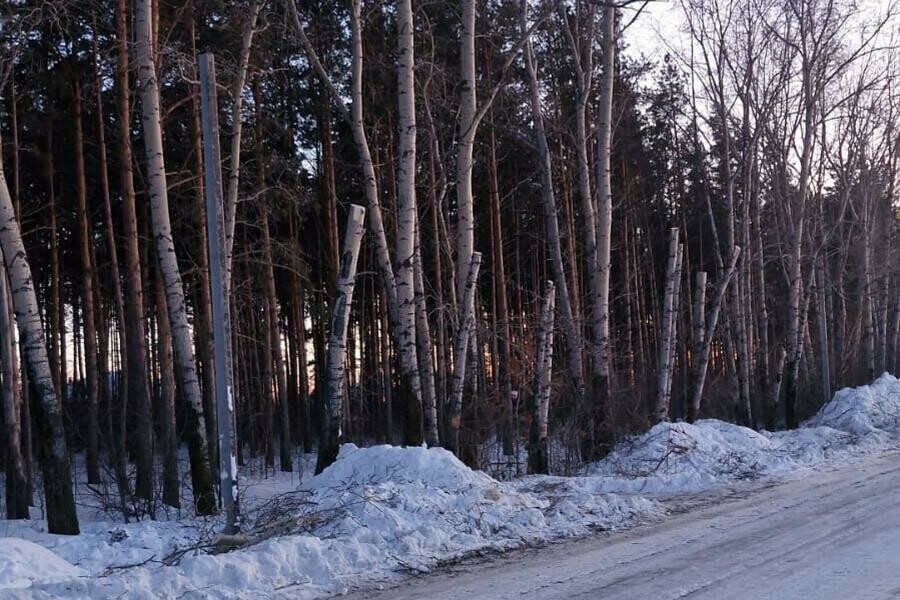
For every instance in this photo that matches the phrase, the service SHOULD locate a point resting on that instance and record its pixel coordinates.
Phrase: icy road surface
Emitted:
(832, 533)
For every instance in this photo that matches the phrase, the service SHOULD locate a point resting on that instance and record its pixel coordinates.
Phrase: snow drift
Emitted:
(374, 512)
(679, 457)
(23, 562)
(863, 410)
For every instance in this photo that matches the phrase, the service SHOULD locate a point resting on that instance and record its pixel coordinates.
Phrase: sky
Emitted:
(655, 28)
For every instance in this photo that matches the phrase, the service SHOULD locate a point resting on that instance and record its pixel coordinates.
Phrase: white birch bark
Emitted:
(182, 346)
(460, 354)
(545, 359)
(698, 315)
(673, 325)
(59, 499)
(17, 499)
(337, 342)
(406, 227)
(604, 194)
(465, 218)
(354, 117)
(661, 412)
(544, 372)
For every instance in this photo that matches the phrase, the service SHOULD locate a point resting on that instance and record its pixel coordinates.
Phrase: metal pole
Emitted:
(215, 229)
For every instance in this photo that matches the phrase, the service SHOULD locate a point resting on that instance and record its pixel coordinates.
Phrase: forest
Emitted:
(492, 226)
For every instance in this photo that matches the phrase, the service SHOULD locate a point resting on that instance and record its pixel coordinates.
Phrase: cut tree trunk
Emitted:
(664, 372)
(698, 377)
(332, 434)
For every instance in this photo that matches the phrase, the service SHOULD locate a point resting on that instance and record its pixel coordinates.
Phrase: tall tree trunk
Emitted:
(331, 436)
(426, 365)
(203, 333)
(465, 213)
(501, 308)
(87, 289)
(407, 237)
(234, 161)
(116, 417)
(165, 405)
(329, 194)
(669, 317)
(56, 309)
(17, 496)
(139, 390)
(822, 318)
(284, 425)
(186, 367)
(601, 383)
(58, 496)
(460, 354)
(539, 449)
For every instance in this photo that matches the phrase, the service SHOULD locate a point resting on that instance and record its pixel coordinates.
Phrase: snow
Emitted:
(684, 457)
(23, 562)
(869, 409)
(380, 511)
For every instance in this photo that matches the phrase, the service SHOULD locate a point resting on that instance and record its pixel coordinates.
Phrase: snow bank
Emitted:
(864, 410)
(23, 562)
(382, 510)
(681, 457)
(374, 512)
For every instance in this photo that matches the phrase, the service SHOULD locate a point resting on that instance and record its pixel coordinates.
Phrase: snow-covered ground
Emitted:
(383, 511)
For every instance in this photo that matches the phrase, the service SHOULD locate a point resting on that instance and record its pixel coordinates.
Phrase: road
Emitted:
(829, 535)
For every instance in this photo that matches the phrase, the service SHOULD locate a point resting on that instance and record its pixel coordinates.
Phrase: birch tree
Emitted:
(185, 364)
(17, 496)
(54, 456)
(332, 434)
(460, 355)
(539, 450)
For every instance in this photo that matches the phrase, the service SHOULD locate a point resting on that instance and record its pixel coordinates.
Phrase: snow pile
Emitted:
(23, 562)
(684, 456)
(680, 457)
(864, 410)
(374, 512)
